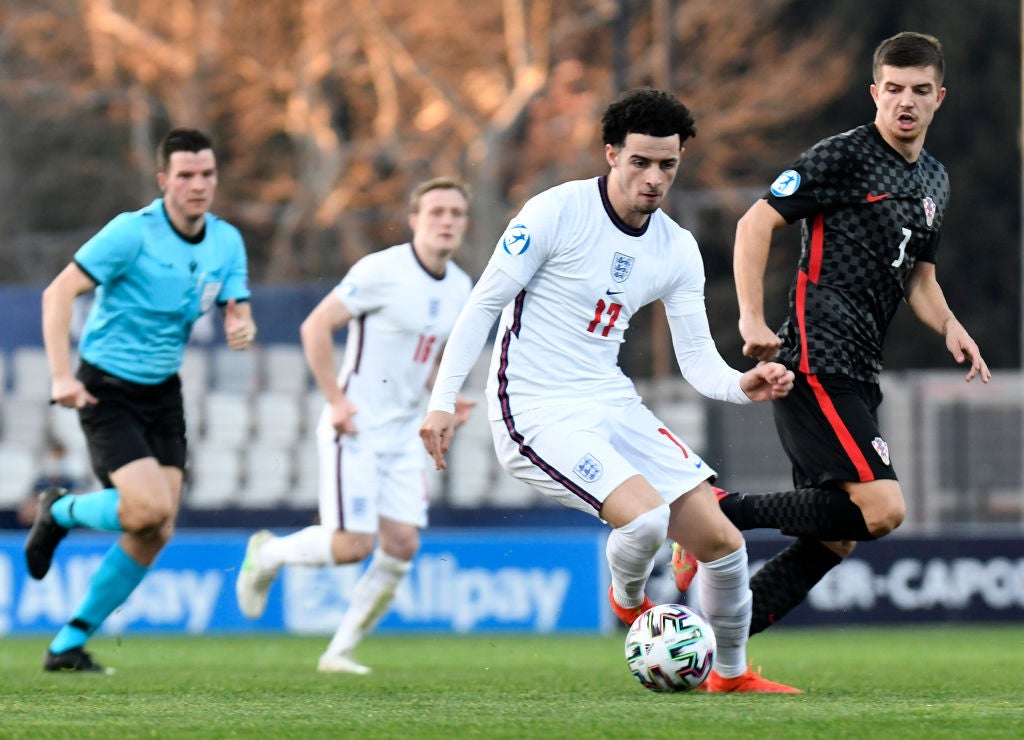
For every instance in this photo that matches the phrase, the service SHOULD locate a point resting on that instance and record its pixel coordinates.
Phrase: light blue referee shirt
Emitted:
(152, 285)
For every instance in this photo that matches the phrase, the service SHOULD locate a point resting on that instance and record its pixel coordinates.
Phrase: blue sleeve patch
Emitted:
(786, 184)
(516, 239)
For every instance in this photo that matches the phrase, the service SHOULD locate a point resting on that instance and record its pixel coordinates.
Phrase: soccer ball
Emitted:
(670, 648)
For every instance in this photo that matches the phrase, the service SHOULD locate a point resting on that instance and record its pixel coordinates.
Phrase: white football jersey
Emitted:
(402, 316)
(585, 273)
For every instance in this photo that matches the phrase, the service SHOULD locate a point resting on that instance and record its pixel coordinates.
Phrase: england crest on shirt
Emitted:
(929, 210)
(589, 468)
(622, 265)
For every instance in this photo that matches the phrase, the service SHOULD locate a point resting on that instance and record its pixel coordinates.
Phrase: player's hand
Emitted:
(342, 411)
(963, 348)
(436, 431)
(70, 393)
(767, 381)
(759, 342)
(463, 409)
(239, 330)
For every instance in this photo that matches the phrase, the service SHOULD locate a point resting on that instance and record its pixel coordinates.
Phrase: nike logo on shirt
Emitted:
(613, 292)
(872, 198)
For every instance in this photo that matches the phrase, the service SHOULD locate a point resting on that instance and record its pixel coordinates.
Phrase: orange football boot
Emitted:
(628, 614)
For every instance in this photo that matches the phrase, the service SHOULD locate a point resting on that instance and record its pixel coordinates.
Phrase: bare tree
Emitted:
(327, 110)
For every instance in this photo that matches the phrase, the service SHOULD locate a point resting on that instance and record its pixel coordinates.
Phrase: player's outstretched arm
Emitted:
(58, 299)
(928, 302)
(750, 258)
(965, 349)
(767, 381)
(239, 327)
(436, 431)
(463, 409)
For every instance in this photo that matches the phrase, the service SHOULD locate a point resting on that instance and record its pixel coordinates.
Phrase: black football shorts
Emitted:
(828, 426)
(131, 421)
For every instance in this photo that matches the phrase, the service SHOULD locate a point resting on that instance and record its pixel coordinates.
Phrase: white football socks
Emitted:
(369, 601)
(309, 546)
(630, 551)
(726, 601)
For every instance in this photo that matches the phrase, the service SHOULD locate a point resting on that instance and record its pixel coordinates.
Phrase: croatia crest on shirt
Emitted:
(881, 448)
(622, 265)
(929, 210)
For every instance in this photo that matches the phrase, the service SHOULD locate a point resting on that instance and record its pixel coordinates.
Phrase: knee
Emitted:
(153, 516)
(884, 518)
(650, 529)
(403, 545)
(350, 547)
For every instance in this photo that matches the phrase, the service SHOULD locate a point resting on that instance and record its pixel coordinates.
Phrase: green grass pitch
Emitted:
(952, 681)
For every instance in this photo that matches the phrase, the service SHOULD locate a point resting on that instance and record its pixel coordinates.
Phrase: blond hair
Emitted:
(437, 183)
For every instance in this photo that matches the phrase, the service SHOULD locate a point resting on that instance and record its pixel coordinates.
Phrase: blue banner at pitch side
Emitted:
(482, 580)
(503, 580)
(941, 578)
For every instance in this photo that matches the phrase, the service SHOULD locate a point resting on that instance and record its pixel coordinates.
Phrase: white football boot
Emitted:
(341, 664)
(254, 580)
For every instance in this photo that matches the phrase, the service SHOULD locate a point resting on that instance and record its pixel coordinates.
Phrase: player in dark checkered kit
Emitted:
(871, 203)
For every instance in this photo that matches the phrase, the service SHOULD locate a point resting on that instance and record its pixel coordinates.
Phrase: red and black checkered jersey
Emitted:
(868, 217)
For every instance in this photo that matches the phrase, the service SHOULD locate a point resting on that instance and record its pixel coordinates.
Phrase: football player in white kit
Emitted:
(400, 305)
(566, 278)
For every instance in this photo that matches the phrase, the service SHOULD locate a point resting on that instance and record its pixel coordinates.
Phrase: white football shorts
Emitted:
(362, 479)
(578, 454)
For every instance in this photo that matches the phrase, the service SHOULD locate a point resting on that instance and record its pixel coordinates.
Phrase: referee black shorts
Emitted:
(828, 426)
(131, 421)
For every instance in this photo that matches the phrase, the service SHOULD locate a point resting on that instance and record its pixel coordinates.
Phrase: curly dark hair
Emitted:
(646, 111)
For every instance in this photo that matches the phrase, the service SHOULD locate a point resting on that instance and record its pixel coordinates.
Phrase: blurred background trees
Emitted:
(325, 112)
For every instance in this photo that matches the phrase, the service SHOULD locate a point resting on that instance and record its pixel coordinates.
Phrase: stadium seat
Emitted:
(285, 368)
(23, 421)
(268, 476)
(30, 373)
(227, 418)
(63, 426)
(510, 493)
(471, 474)
(305, 493)
(313, 407)
(237, 372)
(215, 476)
(278, 418)
(195, 418)
(195, 371)
(17, 473)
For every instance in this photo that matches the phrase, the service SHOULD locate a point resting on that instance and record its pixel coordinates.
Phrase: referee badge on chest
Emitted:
(929, 210)
(622, 265)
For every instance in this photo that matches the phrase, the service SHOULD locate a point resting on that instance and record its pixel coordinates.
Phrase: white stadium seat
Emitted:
(24, 421)
(235, 371)
(227, 418)
(30, 373)
(269, 476)
(278, 418)
(215, 477)
(285, 367)
(195, 371)
(17, 473)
